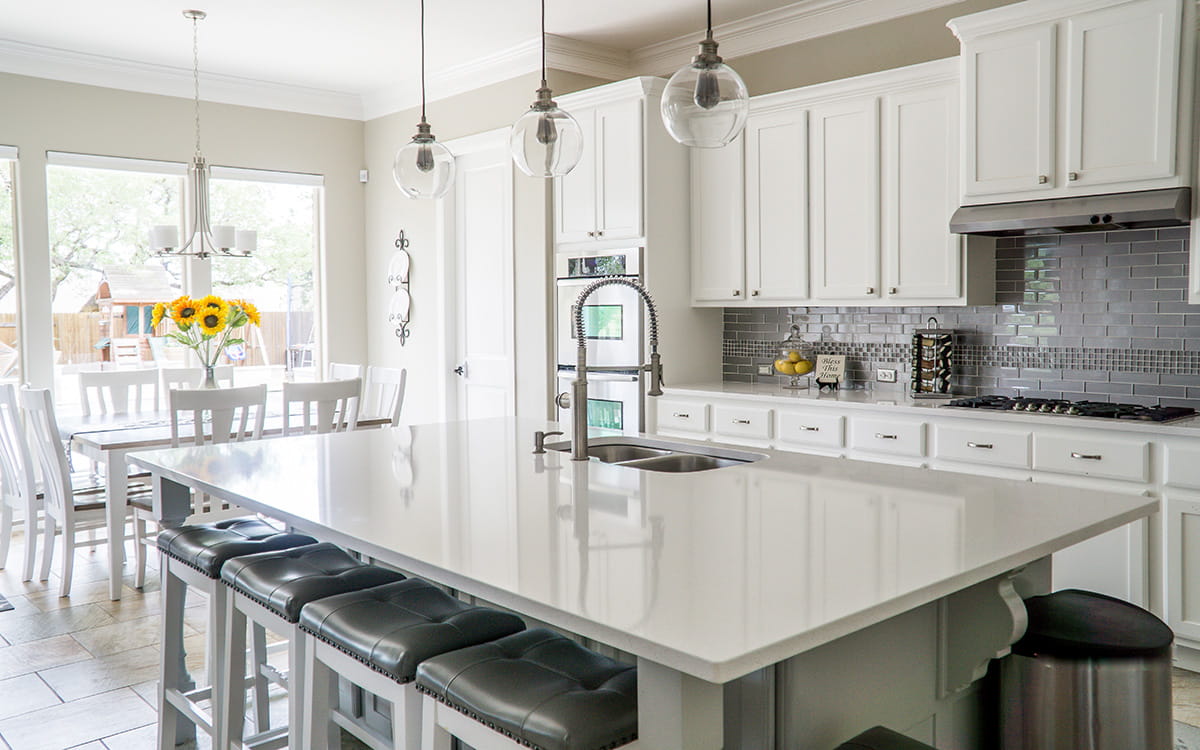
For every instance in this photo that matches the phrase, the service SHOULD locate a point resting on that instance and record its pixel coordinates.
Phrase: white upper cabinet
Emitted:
(1009, 115)
(921, 258)
(718, 195)
(601, 198)
(845, 200)
(777, 206)
(1075, 97)
(1122, 79)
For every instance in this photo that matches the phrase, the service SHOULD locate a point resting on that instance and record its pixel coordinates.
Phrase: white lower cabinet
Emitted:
(811, 429)
(895, 437)
(1182, 510)
(982, 444)
(681, 416)
(1083, 455)
(742, 422)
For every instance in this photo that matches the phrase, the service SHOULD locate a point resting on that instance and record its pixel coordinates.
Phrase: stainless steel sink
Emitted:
(683, 462)
(616, 453)
(651, 454)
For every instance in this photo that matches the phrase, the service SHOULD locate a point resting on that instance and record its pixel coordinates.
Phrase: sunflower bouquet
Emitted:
(205, 325)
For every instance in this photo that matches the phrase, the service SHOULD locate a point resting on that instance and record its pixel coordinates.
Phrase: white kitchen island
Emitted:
(802, 598)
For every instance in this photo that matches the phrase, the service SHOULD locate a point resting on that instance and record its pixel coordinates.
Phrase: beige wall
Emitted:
(893, 44)
(41, 115)
(388, 211)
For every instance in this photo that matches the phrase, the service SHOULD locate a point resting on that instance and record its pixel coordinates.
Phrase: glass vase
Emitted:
(210, 377)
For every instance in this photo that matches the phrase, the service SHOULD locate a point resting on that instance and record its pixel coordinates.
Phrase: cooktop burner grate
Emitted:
(1100, 409)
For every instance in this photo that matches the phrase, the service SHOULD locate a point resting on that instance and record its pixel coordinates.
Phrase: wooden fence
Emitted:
(75, 336)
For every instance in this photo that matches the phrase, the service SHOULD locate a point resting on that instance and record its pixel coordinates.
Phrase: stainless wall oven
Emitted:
(615, 329)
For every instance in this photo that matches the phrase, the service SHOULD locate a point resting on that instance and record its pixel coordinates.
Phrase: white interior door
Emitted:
(483, 367)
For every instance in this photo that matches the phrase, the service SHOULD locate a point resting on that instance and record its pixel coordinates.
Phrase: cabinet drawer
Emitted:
(901, 438)
(742, 421)
(985, 445)
(1182, 466)
(806, 428)
(688, 416)
(1093, 457)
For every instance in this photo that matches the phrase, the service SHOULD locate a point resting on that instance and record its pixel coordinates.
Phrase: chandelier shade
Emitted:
(706, 103)
(204, 239)
(423, 168)
(545, 141)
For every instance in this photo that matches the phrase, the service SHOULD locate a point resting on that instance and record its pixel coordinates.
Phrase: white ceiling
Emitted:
(357, 49)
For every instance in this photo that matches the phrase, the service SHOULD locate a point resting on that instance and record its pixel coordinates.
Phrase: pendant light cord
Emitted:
(422, 60)
(543, 43)
(196, 76)
(710, 19)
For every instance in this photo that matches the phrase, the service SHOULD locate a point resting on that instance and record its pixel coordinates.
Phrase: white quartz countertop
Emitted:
(889, 397)
(713, 573)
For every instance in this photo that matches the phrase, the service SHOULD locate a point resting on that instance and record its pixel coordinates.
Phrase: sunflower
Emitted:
(183, 312)
(156, 315)
(251, 311)
(212, 319)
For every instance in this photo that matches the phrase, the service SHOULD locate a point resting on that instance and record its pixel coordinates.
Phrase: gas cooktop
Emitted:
(1101, 409)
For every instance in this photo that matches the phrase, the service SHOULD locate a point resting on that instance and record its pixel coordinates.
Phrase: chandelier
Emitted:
(204, 240)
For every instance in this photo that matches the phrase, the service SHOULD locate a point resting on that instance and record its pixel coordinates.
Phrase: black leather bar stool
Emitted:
(192, 556)
(534, 689)
(375, 639)
(270, 589)
(882, 738)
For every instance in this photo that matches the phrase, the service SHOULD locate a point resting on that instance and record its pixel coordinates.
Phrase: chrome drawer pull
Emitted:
(741, 421)
(986, 446)
(1087, 456)
(681, 415)
(881, 436)
(810, 429)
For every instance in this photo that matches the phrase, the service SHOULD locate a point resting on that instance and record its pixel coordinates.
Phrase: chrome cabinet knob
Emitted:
(754, 293)
(737, 292)
(870, 290)
(599, 232)
(1072, 176)
(892, 290)
(1043, 179)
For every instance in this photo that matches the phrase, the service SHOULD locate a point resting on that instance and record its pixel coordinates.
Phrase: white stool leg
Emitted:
(262, 698)
(320, 688)
(297, 687)
(433, 735)
(170, 671)
(232, 711)
(406, 718)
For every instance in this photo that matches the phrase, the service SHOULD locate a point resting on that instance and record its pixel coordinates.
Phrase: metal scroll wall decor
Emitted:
(400, 307)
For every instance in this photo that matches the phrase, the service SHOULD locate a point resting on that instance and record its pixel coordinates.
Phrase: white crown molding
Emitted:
(111, 72)
(807, 19)
(562, 53)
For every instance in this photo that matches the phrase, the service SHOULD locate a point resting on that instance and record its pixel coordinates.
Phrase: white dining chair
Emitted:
(383, 392)
(193, 377)
(326, 406)
(118, 391)
(18, 485)
(218, 415)
(66, 509)
(344, 371)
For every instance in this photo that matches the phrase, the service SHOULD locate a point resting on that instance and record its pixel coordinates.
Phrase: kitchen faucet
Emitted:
(579, 389)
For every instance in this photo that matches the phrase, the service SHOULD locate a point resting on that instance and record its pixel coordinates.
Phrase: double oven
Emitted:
(615, 330)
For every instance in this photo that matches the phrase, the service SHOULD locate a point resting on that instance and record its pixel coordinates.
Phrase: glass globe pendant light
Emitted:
(545, 141)
(423, 168)
(705, 104)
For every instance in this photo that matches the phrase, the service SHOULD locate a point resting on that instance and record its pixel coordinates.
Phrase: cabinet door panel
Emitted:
(718, 223)
(1183, 563)
(576, 193)
(619, 170)
(1122, 78)
(777, 198)
(1008, 82)
(845, 200)
(922, 258)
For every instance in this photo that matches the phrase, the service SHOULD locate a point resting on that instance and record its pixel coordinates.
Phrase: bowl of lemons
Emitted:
(795, 359)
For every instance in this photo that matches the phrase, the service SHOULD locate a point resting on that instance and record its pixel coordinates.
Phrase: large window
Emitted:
(279, 277)
(10, 361)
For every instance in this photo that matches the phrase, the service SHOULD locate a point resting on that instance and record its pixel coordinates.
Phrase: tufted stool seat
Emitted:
(375, 639)
(207, 547)
(191, 558)
(534, 689)
(270, 589)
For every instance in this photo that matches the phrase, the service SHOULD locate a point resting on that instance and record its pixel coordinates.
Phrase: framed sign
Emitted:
(830, 370)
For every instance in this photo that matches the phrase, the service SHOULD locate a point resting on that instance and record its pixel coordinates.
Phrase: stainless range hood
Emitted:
(1092, 213)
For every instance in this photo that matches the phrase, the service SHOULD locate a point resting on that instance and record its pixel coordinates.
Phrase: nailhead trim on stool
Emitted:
(207, 547)
(539, 689)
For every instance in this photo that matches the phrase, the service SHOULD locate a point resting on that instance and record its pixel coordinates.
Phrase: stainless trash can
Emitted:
(1091, 673)
(882, 738)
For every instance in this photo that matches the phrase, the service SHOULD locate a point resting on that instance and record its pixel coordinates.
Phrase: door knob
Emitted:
(563, 400)
(461, 370)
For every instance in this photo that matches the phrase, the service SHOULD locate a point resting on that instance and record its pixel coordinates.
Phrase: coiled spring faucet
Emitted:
(579, 389)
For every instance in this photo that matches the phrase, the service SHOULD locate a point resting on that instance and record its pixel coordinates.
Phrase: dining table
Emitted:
(107, 438)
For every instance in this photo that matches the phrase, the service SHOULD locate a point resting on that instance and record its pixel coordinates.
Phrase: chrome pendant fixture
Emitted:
(705, 104)
(545, 141)
(424, 168)
(204, 240)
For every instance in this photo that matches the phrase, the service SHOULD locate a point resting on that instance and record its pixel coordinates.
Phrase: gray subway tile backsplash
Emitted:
(1098, 316)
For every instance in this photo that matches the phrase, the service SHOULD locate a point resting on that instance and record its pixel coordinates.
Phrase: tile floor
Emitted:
(80, 672)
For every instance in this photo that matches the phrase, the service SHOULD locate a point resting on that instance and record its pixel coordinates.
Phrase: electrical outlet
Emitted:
(885, 376)
(766, 370)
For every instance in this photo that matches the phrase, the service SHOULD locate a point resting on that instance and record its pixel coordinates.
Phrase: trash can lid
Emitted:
(1085, 625)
